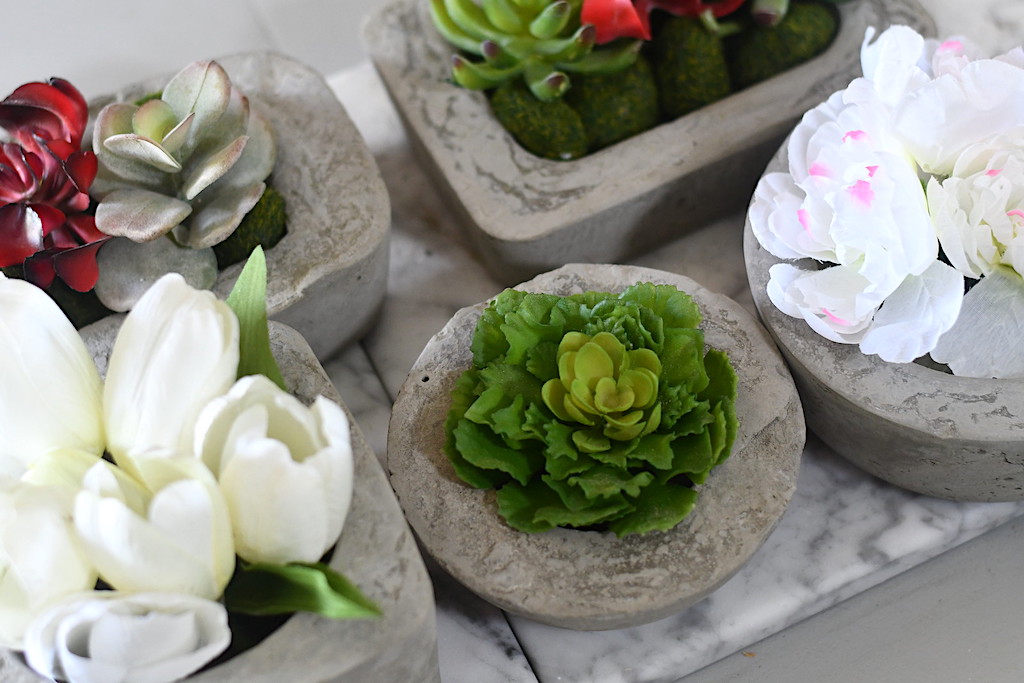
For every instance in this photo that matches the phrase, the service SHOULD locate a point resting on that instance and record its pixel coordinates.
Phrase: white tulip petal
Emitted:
(40, 559)
(334, 425)
(278, 507)
(106, 636)
(985, 341)
(176, 351)
(49, 397)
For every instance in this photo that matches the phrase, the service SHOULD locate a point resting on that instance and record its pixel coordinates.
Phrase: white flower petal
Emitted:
(50, 394)
(177, 350)
(106, 636)
(985, 341)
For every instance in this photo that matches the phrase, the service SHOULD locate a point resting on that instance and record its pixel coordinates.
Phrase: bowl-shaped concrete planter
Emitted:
(526, 214)
(328, 275)
(914, 426)
(376, 551)
(587, 579)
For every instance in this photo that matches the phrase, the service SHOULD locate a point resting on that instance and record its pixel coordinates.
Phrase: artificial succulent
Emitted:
(540, 41)
(598, 411)
(191, 162)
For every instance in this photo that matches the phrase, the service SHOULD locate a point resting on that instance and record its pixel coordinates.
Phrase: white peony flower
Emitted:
(110, 637)
(285, 469)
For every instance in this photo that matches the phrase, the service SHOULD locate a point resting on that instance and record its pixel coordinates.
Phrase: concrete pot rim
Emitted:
(296, 263)
(905, 383)
(634, 580)
(553, 194)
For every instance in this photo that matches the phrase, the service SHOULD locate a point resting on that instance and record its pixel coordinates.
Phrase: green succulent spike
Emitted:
(539, 40)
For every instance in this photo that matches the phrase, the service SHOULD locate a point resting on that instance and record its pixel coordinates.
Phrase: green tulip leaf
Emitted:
(264, 589)
(248, 299)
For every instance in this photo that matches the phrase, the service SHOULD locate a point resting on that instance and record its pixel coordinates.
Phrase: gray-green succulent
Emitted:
(191, 163)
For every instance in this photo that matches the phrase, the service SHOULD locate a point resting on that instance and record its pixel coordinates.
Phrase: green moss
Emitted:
(548, 129)
(613, 107)
(761, 52)
(689, 66)
(264, 224)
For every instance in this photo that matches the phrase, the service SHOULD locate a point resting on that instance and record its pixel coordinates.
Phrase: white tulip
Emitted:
(50, 394)
(180, 543)
(177, 349)
(285, 469)
(41, 560)
(109, 637)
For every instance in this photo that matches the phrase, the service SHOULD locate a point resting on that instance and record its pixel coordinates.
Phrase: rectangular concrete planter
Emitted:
(376, 551)
(526, 214)
(327, 277)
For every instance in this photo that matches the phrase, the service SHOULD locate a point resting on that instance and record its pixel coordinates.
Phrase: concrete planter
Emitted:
(586, 579)
(914, 426)
(525, 214)
(376, 551)
(327, 277)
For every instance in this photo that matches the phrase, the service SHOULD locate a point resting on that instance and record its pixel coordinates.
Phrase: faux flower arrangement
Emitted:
(596, 410)
(174, 174)
(573, 76)
(903, 208)
(139, 511)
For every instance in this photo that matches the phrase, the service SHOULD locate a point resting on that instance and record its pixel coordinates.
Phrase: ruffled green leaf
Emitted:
(263, 589)
(661, 507)
(482, 448)
(676, 309)
(605, 481)
(518, 505)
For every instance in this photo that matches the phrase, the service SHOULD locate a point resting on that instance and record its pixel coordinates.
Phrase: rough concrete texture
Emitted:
(327, 277)
(586, 579)
(914, 426)
(525, 214)
(376, 551)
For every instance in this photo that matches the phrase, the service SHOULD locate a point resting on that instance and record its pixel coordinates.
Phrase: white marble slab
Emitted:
(843, 533)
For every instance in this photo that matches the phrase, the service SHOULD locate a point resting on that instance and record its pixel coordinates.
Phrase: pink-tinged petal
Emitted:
(819, 169)
(804, 218)
(21, 234)
(872, 170)
(862, 192)
(855, 135)
(1016, 213)
(77, 267)
(835, 319)
(993, 172)
(614, 19)
(951, 46)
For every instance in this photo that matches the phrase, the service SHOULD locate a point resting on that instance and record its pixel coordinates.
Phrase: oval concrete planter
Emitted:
(376, 551)
(587, 579)
(525, 214)
(914, 426)
(327, 277)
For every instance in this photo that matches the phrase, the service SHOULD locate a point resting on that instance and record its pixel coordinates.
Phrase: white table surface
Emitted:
(861, 580)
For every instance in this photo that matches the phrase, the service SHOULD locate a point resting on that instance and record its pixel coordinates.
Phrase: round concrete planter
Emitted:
(911, 425)
(587, 579)
(376, 551)
(525, 215)
(327, 277)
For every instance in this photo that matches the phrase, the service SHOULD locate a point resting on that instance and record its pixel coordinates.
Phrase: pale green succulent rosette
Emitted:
(192, 161)
(596, 411)
(541, 41)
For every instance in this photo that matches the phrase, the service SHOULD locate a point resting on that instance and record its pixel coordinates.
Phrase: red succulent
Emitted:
(44, 185)
(631, 18)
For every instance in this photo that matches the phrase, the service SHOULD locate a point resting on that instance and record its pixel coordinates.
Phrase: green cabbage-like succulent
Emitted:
(538, 40)
(594, 410)
(192, 161)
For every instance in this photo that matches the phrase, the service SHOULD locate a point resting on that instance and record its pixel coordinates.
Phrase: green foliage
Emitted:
(592, 411)
(264, 589)
(552, 130)
(614, 107)
(248, 299)
(263, 225)
(761, 52)
(689, 66)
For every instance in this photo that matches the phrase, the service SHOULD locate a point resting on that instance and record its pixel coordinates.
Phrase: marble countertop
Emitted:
(844, 532)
